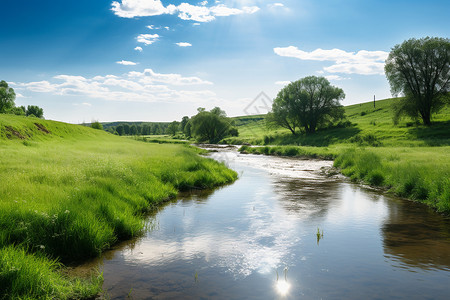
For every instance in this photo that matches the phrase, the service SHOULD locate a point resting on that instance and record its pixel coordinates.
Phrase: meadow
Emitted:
(408, 159)
(70, 192)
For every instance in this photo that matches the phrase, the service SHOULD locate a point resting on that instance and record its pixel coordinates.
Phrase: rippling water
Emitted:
(257, 239)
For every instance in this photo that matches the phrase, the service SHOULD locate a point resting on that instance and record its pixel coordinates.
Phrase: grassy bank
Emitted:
(70, 192)
(408, 159)
(418, 173)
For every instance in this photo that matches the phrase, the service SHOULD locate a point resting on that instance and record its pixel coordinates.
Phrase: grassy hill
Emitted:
(370, 126)
(69, 192)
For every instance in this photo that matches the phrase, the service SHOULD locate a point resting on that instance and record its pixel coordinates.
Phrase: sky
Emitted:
(153, 60)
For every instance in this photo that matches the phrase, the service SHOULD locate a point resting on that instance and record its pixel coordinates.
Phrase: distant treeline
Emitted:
(136, 128)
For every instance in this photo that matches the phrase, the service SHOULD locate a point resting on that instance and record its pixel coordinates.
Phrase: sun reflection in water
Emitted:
(282, 287)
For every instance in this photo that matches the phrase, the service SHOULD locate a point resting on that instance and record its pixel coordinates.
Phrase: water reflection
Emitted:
(415, 236)
(238, 242)
(282, 287)
(307, 198)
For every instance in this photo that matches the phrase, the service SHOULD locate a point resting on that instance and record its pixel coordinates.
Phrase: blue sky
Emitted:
(152, 60)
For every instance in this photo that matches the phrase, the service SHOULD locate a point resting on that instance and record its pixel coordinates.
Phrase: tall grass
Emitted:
(32, 276)
(421, 174)
(71, 193)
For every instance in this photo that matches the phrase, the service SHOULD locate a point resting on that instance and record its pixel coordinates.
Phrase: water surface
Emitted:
(257, 239)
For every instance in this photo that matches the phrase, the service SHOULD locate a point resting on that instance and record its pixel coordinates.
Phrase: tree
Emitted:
(145, 129)
(420, 70)
(173, 128)
(120, 130)
(7, 97)
(210, 126)
(187, 129)
(133, 130)
(309, 103)
(183, 123)
(126, 129)
(97, 125)
(34, 110)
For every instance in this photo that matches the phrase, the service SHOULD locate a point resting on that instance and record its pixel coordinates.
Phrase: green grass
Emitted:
(370, 127)
(408, 159)
(417, 173)
(69, 192)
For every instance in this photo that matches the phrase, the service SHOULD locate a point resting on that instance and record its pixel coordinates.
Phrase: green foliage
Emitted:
(210, 126)
(420, 174)
(34, 110)
(309, 103)
(420, 70)
(97, 125)
(33, 276)
(18, 111)
(375, 123)
(183, 123)
(79, 191)
(7, 97)
(293, 151)
(173, 128)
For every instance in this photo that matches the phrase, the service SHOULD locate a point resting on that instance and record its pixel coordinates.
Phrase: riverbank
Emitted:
(417, 173)
(70, 192)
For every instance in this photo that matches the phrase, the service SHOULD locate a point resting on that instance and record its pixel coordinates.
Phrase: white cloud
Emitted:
(196, 24)
(362, 62)
(184, 44)
(185, 11)
(150, 77)
(196, 13)
(40, 86)
(86, 104)
(147, 86)
(147, 39)
(126, 62)
(138, 8)
(335, 77)
(138, 49)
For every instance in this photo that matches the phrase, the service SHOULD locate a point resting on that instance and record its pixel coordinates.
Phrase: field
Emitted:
(408, 159)
(70, 192)
(370, 126)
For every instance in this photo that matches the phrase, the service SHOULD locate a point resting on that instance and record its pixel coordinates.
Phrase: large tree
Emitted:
(309, 103)
(172, 129)
(210, 126)
(420, 70)
(7, 97)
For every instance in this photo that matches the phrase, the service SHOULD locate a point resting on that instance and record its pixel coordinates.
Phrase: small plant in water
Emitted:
(129, 296)
(319, 235)
(196, 277)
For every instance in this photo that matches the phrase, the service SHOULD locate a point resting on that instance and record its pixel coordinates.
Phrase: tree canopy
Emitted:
(173, 128)
(210, 126)
(309, 103)
(7, 97)
(34, 110)
(97, 125)
(419, 69)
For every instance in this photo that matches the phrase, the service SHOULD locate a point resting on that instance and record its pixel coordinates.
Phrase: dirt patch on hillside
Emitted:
(10, 132)
(42, 128)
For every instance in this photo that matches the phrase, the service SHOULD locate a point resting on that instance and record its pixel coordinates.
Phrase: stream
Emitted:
(283, 230)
